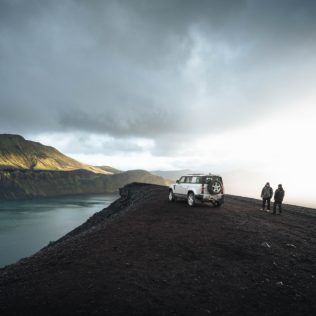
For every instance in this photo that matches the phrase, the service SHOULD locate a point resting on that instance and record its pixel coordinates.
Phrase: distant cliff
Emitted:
(29, 170)
(19, 153)
(25, 184)
(109, 169)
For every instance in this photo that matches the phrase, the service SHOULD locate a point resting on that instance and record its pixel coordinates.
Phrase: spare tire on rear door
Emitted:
(214, 187)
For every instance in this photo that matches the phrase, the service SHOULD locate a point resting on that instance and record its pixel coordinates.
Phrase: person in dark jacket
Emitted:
(278, 198)
(266, 194)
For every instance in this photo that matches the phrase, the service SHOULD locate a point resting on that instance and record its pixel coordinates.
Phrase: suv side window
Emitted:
(188, 179)
(196, 180)
(182, 180)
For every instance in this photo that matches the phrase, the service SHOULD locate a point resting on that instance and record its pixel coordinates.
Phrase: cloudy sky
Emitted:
(222, 86)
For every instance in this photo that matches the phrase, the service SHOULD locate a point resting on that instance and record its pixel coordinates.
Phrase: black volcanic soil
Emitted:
(146, 256)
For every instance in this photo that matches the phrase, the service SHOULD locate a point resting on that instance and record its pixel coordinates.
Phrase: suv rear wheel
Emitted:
(214, 187)
(191, 199)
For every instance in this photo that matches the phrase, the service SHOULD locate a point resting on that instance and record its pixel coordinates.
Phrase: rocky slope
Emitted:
(146, 256)
(18, 153)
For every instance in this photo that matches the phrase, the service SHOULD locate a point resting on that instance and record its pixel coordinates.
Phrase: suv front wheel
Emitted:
(191, 199)
(171, 196)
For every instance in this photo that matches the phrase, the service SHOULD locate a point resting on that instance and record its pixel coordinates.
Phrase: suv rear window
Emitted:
(208, 179)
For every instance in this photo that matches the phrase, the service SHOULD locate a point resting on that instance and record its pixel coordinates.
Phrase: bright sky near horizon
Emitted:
(220, 86)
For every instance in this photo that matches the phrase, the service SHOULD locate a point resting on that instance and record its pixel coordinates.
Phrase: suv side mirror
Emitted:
(177, 181)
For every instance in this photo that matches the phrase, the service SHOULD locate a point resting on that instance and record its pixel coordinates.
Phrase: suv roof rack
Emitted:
(195, 174)
(201, 174)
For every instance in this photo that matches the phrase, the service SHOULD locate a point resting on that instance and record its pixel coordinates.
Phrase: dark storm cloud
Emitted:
(157, 69)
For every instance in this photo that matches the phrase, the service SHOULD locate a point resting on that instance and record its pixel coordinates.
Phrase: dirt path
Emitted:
(146, 256)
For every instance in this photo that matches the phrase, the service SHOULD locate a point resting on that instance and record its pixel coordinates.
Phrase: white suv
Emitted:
(198, 188)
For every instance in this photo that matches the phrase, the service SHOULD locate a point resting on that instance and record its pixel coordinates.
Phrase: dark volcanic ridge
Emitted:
(146, 256)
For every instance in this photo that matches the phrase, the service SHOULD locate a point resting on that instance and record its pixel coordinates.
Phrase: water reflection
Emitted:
(27, 226)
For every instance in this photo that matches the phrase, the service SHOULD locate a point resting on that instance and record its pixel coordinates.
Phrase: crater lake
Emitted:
(28, 226)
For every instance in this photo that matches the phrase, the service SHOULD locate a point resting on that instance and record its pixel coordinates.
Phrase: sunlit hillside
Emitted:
(16, 152)
(109, 169)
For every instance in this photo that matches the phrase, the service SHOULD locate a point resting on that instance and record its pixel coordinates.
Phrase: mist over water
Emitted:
(28, 226)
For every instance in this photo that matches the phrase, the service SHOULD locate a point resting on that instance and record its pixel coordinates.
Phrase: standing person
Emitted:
(266, 195)
(278, 198)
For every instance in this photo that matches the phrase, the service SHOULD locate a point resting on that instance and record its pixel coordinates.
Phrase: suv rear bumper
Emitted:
(210, 198)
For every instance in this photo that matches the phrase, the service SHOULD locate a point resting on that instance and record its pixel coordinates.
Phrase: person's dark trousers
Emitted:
(264, 200)
(279, 204)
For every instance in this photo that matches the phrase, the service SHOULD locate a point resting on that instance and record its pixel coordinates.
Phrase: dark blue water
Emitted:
(28, 226)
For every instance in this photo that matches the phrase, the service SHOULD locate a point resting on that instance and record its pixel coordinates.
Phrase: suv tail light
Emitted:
(202, 191)
(222, 191)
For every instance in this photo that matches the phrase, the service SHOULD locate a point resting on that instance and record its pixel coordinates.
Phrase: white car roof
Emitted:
(200, 174)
